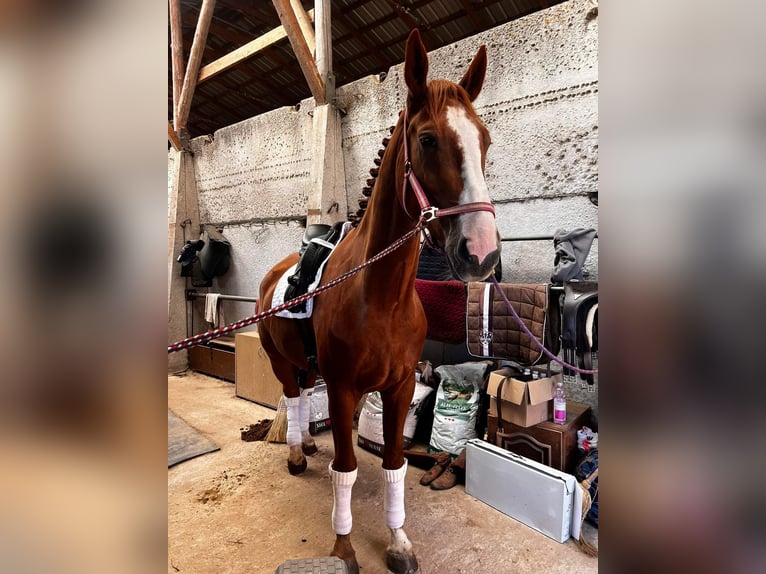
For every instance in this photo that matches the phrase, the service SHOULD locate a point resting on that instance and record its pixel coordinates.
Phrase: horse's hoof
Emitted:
(296, 468)
(401, 563)
(309, 449)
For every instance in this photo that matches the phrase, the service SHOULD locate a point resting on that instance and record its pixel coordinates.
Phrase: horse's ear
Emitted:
(473, 79)
(415, 68)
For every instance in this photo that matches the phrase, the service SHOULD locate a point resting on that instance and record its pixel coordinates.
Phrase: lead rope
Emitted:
(529, 334)
(215, 333)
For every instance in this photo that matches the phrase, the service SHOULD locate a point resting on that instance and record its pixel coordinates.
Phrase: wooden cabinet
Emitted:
(215, 358)
(545, 442)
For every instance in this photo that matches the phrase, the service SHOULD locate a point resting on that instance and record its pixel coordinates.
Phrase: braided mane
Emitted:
(370, 184)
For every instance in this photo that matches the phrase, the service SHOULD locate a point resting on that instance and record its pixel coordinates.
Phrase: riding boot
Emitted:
(441, 462)
(455, 473)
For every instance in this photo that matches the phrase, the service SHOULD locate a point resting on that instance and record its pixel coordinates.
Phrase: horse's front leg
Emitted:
(400, 557)
(343, 470)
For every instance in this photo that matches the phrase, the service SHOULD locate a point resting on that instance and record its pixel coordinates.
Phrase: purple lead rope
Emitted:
(529, 334)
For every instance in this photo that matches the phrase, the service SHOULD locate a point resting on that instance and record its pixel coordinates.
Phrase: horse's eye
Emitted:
(428, 140)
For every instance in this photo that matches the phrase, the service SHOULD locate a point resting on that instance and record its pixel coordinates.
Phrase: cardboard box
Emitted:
(525, 403)
(254, 379)
(539, 496)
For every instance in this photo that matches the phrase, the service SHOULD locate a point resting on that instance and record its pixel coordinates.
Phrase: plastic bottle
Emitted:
(559, 404)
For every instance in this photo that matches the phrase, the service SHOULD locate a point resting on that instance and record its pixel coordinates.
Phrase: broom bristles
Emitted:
(586, 546)
(278, 430)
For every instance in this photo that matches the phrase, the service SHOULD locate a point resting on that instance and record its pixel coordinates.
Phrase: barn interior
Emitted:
(276, 115)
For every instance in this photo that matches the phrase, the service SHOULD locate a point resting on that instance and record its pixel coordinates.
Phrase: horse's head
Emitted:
(448, 147)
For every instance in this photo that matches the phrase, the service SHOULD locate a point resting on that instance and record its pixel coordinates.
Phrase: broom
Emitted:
(584, 544)
(278, 430)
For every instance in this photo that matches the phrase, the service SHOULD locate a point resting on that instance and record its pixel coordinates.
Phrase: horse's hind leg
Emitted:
(299, 440)
(400, 557)
(308, 446)
(288, 375)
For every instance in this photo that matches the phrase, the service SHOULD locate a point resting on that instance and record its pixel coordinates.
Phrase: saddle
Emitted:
(317, 244)
(579, 329)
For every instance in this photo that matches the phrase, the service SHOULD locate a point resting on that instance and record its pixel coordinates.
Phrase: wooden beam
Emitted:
(478, 21)
(241, 54)
(195, 59)
(305, 24)
(177, 55)
(301, 49)
(324, 46)
(173, 137)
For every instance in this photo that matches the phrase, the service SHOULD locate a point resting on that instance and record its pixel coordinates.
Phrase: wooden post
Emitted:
(177, 55)
(195, 59)
(183, 224)
(301, 48)
(324, 46)
(327, 196)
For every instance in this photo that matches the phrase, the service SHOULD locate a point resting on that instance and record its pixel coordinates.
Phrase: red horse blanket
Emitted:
(444, 303)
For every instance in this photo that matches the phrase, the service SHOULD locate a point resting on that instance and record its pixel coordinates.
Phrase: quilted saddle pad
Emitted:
(492, 331)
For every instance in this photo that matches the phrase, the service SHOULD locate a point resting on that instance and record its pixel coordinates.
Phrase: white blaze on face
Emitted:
(478, 226)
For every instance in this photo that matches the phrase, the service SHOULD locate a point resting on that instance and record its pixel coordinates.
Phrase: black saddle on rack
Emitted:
(579, 325)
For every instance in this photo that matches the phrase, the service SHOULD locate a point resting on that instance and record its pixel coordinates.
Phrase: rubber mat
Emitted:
(185, 442)
(327, 565)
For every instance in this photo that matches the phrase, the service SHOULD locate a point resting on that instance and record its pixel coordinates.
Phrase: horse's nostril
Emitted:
(462, 250)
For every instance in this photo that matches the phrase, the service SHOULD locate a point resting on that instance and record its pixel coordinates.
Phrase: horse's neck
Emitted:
(385, 221)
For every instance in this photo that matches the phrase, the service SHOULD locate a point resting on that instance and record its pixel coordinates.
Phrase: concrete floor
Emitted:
(238, 510)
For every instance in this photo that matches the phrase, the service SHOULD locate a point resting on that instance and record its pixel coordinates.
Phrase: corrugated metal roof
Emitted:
(368, 38)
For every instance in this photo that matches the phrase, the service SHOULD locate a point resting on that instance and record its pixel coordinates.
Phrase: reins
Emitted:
(427, 213)
(529, 334)
(251, 320)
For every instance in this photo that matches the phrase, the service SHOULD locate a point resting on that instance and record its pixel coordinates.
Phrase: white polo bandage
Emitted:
(342, 483)
(305, 409)
(393, 492)
(293, 420)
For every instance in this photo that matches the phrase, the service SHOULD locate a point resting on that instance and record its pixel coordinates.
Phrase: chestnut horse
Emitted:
(370, 329)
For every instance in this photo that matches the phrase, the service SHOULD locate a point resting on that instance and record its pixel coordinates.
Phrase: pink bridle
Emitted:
(427, 211)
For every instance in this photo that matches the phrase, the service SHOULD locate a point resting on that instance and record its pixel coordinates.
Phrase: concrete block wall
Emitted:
(540, 103)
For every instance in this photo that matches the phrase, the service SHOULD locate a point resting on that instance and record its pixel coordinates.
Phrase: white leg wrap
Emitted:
(305, 409)
(342, 483)
(393, 503)
(293, 420)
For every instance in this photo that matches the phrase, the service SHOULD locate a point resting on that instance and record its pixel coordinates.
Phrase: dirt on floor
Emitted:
(237, 510)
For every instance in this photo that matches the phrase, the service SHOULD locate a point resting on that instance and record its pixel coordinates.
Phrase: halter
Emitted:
(427, 211)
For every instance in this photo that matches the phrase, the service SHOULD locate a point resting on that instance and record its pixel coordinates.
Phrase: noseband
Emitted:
(427, 211)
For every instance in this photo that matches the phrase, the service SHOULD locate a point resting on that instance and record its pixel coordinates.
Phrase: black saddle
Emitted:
(317, 244)
(579, 331)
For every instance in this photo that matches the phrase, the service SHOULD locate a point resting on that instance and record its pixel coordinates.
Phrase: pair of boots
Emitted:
(445, 473)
